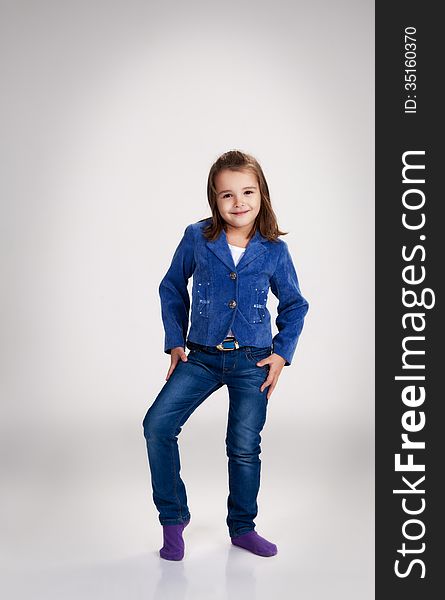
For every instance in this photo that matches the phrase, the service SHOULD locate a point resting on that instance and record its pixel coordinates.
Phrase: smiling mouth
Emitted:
(241, 213)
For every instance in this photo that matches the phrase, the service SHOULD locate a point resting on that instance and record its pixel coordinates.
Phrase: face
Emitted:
(238, 198)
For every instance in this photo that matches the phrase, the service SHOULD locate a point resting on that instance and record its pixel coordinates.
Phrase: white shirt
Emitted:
(237, 253)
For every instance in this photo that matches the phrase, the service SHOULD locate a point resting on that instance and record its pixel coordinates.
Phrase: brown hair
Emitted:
(266, 221)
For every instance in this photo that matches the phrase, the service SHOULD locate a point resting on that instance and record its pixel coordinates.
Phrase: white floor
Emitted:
(78, 521)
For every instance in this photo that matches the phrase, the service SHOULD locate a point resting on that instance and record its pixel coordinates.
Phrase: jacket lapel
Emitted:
(221, 249)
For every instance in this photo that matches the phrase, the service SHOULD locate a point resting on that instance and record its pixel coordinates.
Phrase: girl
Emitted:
(235, 257)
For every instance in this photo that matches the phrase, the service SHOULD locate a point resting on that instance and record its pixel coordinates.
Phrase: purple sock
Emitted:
(255, 543)
(173, 548)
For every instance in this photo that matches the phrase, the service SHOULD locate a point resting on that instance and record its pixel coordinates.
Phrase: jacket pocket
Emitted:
(258, 304)
(201, 298)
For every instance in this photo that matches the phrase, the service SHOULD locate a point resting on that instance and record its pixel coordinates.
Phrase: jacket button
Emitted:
(232, 275)
(232, 303)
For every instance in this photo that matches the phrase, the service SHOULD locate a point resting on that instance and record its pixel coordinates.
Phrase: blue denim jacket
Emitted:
(225, 296)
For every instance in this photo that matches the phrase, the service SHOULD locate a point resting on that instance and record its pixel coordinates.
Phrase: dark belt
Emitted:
(228, 343)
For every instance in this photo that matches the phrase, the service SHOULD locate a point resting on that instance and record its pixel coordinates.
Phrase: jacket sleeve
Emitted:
(175, 299)
(292, 307)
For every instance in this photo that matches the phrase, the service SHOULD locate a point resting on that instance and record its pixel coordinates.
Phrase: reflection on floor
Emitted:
(78, 522)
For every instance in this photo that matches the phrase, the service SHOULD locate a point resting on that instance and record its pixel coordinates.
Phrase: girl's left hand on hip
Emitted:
(276, 363)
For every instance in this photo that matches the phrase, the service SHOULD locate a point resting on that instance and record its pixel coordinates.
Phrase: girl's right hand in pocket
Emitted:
(176, 355)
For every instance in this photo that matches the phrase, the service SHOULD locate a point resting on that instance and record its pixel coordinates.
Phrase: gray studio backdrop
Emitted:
(112, 114)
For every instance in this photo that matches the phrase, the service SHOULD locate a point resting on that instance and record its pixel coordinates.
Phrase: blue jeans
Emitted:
(206, 370)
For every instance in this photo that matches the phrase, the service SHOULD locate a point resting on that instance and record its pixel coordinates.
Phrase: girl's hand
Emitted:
(176, 355)
(276, 363)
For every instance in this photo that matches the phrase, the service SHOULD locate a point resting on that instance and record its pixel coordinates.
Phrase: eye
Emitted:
(248, 192)
(226, 195)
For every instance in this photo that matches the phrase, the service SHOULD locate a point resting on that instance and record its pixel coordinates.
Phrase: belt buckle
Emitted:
(233, 344)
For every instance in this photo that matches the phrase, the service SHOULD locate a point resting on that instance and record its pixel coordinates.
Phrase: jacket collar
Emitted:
(221, 249)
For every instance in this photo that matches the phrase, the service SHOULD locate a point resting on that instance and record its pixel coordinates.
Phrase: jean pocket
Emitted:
(254, 355)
